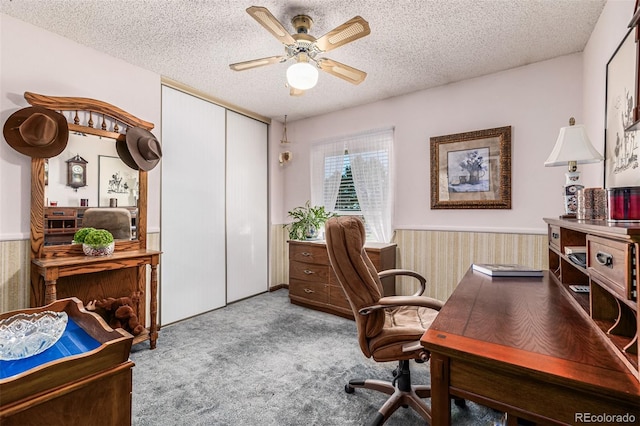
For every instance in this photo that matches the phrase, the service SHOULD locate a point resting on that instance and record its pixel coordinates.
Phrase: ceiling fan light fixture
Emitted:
(302, 75)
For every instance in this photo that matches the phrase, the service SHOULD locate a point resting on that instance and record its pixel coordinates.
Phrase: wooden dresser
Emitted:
(312, 282)
(611, 273)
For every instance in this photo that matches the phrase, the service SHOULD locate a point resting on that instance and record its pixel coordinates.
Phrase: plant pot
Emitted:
(312, 233)
(98, 251)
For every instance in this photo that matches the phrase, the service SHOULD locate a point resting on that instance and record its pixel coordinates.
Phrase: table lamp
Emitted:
(572, 147)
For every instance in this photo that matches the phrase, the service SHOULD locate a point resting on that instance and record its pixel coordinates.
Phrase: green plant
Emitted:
(81, 234)
(307, 221)
(98, 238)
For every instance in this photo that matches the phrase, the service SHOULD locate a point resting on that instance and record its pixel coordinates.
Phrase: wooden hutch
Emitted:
(62, 270)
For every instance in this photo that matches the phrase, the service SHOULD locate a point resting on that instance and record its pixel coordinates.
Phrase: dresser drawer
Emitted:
(309, 271)
(308, 253)
(612, 263)
(554, 236)
(60, 212)
(338, 298)
(309, 290)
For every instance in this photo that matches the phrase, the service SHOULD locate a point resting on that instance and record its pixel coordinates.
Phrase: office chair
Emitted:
(115, 220)
(389, 328)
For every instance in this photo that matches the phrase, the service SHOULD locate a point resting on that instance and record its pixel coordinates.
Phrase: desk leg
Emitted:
(153, 327)
(50, 292)
(440, 399)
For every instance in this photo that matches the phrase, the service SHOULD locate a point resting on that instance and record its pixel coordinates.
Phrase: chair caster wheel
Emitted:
(349, 389)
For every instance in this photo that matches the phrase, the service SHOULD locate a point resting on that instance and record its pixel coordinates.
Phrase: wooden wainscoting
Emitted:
(279, 257)
(14, 275)
(441, 256)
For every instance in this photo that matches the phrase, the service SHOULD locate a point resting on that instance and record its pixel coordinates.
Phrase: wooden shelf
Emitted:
(612, 304)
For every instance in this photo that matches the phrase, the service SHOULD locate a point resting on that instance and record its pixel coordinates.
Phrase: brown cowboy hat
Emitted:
(37, 132)
(140, 150)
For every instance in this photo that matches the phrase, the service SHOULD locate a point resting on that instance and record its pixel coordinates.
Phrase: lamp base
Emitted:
(571, 186)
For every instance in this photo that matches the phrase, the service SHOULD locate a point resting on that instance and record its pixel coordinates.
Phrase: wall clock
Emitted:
(76, 172)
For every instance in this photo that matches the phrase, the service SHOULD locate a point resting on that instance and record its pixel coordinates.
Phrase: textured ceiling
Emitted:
(413, 45)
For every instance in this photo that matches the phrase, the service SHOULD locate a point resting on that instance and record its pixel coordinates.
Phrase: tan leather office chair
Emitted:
(115, 220)
(389, 328)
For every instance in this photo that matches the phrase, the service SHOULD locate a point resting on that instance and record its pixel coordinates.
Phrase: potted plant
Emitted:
(307, 221)
(97, 242)
(81, 234)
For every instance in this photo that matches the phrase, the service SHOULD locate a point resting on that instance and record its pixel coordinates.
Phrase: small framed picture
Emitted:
(116, 181)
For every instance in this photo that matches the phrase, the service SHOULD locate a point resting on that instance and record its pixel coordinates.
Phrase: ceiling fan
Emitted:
(305, 49)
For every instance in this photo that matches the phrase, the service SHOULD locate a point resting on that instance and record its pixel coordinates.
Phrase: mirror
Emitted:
(98, 125)
(109, 183)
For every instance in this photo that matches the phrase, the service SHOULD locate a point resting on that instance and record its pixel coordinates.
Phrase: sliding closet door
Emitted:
(247, 222)
(193, 206)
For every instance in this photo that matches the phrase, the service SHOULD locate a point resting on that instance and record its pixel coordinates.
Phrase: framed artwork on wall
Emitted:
(620, 147)
(472, 170)
(116, 181)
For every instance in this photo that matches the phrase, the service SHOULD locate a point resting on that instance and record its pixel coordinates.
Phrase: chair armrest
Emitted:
(394, 272)
(396, 301)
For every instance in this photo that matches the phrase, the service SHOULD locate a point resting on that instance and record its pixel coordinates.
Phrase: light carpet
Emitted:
(265, 361)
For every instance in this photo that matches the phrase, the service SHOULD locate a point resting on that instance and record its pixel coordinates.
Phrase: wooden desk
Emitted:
(116, 275)
(519, 345)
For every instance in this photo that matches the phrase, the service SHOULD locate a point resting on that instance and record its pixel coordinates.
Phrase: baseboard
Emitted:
(278, 287)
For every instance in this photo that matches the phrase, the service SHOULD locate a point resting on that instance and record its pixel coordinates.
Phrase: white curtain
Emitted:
(370, 157)
(326, 172)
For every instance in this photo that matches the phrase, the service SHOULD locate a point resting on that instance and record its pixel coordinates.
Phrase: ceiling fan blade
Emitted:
(351, 30)
(295, 92)
(267, 20)
(255, 63)
(345, 72)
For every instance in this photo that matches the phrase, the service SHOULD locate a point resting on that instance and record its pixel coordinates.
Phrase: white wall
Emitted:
(605, 38)
(38, 61)
(277, 173)
(536, 100)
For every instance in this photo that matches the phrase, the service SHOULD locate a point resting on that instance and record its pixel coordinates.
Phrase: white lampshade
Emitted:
(573, 144)
(302, 75)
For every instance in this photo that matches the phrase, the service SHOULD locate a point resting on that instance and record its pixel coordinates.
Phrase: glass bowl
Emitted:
(25, 335)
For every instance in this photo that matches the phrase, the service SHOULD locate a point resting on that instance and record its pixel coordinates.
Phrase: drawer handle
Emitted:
(555, 235)
(308, 290)
(604, 259)
(308, 272)
(306, 253)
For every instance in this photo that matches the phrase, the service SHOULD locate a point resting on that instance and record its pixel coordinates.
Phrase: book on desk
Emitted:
(506, 270)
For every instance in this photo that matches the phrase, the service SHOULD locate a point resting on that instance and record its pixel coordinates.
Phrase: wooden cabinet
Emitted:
(87, 387)
(312, 282)
(88, 278)
(611, 273)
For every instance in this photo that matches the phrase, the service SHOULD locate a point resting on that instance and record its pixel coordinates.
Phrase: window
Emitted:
(347, 201)
(351, 176)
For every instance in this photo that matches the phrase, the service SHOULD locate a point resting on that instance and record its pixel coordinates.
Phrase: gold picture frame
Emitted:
(472, 170)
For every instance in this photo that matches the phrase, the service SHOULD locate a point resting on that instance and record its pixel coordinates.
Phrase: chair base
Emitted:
(403, 394)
